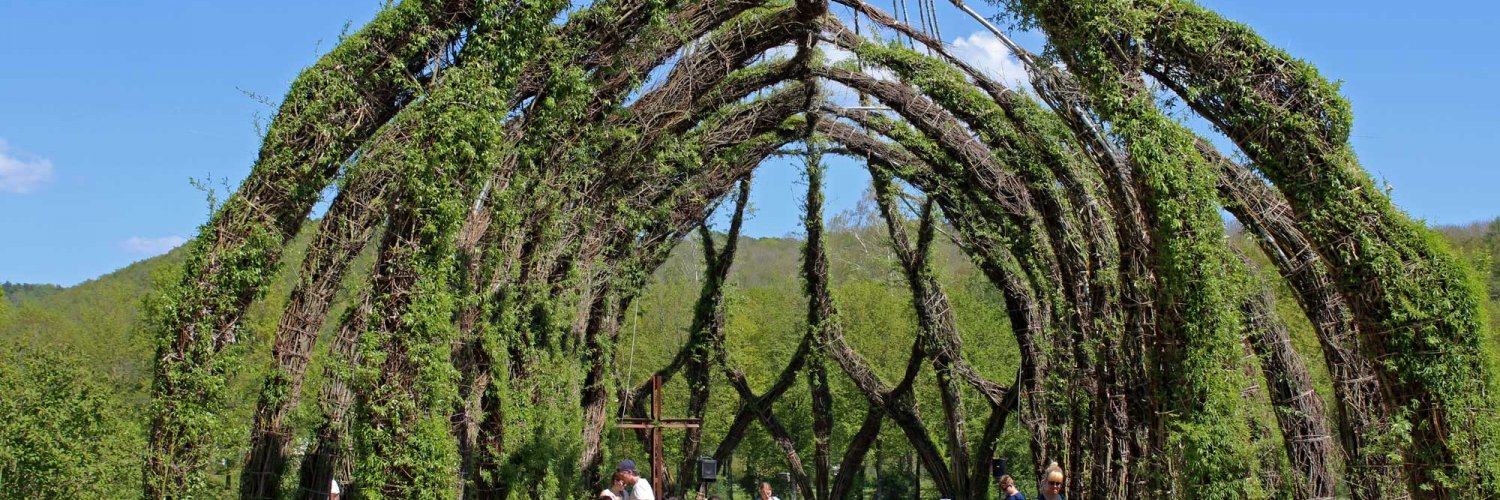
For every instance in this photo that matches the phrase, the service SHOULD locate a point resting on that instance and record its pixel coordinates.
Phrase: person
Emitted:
(1008, 486)
(637, 488)
(616, 489)
(765, 492)
(333, 489)
(1052, 483)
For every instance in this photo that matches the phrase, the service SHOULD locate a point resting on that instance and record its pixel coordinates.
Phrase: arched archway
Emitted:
(523, 184)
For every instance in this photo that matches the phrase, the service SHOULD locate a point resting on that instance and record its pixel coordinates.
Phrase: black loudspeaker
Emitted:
(1001, 468)
(708, 469)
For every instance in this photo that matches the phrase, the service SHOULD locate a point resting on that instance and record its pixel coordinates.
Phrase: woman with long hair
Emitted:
(616, 489)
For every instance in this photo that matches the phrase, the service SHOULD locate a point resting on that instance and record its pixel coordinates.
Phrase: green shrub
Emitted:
(61, 431)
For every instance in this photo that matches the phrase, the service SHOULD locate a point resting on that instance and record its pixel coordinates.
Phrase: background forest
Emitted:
(76, 372)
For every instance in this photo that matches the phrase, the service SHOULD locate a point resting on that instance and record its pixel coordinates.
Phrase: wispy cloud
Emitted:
(20, 174)
(781, 52)
(993, 58)
(151, 246)
(836, 54)
(840, 94)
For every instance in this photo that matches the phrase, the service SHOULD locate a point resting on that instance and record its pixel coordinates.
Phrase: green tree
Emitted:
(61, 431)
(1490, 247)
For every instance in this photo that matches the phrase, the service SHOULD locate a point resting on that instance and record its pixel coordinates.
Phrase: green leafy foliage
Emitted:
(63, 432)
(427, 93)
(765, 318)
(194, 322)
(1421, 306)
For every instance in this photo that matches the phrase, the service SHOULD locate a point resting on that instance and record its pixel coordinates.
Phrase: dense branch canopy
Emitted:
(521, 178)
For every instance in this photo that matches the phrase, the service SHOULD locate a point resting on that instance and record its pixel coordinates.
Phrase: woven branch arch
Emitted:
(519, 185)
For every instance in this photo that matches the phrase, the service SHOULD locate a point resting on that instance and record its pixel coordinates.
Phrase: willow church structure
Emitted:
(520, 181)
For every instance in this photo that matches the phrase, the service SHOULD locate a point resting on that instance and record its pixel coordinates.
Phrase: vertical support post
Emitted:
(916, 489)
(658, 468)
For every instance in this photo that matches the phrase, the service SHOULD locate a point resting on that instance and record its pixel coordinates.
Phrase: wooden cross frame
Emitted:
(653, 427)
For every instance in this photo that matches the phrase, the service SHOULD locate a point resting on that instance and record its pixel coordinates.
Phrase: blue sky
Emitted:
(107, 109)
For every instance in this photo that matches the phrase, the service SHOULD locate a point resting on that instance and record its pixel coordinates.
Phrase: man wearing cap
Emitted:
(636, 488)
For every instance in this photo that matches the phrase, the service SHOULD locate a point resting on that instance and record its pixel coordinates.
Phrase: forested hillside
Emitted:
(18, 292)
(76, 374)
(85, 340)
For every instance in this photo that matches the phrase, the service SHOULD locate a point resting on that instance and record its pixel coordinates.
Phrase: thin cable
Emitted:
(922, 19)
(906, 18)
(635, 328)
(854, 12)
(932, 14)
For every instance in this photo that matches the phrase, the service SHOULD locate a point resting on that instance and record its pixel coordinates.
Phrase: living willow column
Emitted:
(331, 108)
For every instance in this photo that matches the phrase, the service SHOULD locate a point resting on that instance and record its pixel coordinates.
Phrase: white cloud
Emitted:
(880, 73)
(22, 175)
(987, 53)
(840, 94)
(835, 54)
(151, 246)
(785, 51)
